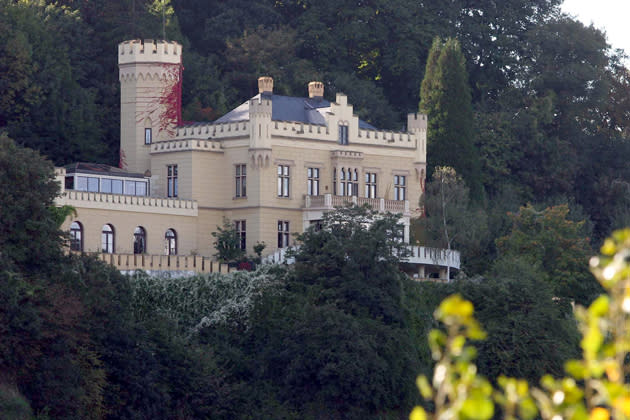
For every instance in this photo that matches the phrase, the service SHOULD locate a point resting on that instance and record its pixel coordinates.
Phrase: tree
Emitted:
(558, 245)
(228, 242)
(354, 258)
(517, 308)
(29, 234)
(593, 386)
(342, 297)
(445, 97)
(48, 102)
(450, 222)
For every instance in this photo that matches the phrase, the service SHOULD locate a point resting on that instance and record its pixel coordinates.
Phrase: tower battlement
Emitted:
(260, 106)
(149, 51)
(416, 121)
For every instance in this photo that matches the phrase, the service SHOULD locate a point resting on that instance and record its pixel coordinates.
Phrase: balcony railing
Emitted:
(434, 256)
(418, 255)
(184, 263)
(329, 202)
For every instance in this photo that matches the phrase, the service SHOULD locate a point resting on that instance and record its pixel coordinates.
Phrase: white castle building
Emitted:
(272, 166)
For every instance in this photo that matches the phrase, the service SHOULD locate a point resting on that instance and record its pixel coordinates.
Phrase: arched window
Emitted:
(139, 240)
(107, 239)
(76, 237)
(170, 242)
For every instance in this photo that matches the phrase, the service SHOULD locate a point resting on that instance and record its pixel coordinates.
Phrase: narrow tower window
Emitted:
(241, 181)
(171, 178)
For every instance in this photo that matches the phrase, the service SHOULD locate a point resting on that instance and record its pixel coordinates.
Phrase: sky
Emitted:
(612, 16)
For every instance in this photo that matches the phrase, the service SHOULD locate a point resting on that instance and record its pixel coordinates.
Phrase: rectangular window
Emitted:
(343, 134)
(241, 181)
(283, 233)
(148, 136)
(81, 183)
(342, 182)
(106, 185)
(283, 180)
(141, 188)
(241, 232)
(130, 187)
(171, 181)
(370, 185)
(400, 187)
(334, 181)
(85, 183)
(349, 182)
(117, 186)
(92, 184)
(313, 181)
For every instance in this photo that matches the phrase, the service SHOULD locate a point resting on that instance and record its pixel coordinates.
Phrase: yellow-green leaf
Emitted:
(418, 413)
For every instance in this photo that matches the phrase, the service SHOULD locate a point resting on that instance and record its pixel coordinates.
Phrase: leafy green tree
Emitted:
(517, 308)
(227, 242)
(445, 97)
(30, 238)
(354, 258)
(268, 51)
(49, 104)
(558, 245)
(450, 221)
(593, 386)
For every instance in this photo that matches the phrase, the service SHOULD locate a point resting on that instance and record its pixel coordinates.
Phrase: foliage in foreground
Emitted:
(595, 387)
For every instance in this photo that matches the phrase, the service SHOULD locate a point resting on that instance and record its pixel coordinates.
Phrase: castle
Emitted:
(272, 166)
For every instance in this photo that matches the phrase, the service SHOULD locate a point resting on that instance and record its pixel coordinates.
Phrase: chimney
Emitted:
(315, 90)
(265, 84)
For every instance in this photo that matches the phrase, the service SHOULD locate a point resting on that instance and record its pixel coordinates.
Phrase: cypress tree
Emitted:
(445, 97)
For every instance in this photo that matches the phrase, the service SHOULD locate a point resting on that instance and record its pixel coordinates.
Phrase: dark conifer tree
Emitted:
(445, 97)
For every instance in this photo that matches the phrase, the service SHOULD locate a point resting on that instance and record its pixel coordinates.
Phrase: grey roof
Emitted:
(289, 108)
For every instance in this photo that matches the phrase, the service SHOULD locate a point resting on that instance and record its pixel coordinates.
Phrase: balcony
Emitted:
(329, 202)
(132, 203)
(433, 256)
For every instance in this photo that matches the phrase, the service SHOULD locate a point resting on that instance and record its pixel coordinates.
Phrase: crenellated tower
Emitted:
(150, 74)
(260, 110)
(417, 124)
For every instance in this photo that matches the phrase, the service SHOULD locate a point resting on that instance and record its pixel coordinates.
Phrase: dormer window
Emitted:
(343, 134)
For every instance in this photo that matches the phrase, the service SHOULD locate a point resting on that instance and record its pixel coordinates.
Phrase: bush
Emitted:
(595, 387)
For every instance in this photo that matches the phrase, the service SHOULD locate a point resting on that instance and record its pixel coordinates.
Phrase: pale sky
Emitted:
(612, 16)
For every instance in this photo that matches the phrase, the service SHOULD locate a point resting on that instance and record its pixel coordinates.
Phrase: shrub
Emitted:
(595, 387)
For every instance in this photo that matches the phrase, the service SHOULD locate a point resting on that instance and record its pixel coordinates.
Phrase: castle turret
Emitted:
(417, 124)
(150, 98)
(260, 109)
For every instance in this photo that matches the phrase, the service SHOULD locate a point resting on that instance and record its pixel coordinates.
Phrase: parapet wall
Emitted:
(149, 51)
(213, 131)
(187, 145)
(128, 203)
(364, 136)
(296, 130)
